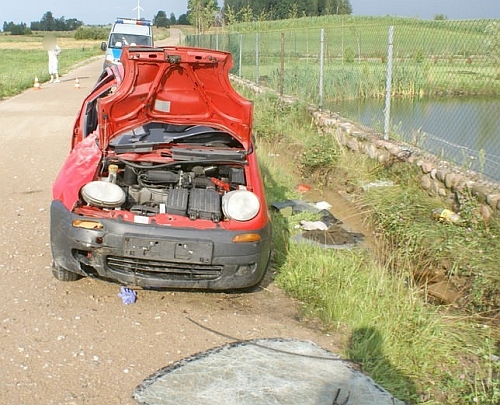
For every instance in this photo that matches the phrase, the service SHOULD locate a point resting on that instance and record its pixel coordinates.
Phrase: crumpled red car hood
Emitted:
(178, 85)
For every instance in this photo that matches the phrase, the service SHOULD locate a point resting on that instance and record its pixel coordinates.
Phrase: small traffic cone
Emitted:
(77, 83)
(37, 84)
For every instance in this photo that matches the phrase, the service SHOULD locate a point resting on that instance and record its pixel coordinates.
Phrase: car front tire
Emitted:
(62, 274)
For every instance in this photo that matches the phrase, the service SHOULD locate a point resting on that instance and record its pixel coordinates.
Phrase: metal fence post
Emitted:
(321, 64)
(282, 73)
(241, 51)
(257, 58)
(388, 85)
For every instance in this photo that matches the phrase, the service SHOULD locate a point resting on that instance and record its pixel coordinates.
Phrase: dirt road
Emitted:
(77, 343)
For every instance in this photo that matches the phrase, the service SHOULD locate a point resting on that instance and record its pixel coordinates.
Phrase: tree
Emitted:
(36, 26)
(247, 14)
(16, 29)
(293, 12)
(230, 16)
(161, 20)
(440, 17)
(343, 7)
(60, 24)
(202, 13)
(183, 20)
(173, 21)
(73, 24)
(47, 23)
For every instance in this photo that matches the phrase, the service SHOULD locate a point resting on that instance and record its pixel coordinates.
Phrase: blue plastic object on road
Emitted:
(127, 295)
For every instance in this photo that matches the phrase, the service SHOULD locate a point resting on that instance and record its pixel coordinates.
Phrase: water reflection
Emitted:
(465, 131)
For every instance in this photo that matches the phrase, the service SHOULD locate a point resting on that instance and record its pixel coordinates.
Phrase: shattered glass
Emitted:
(263, 371)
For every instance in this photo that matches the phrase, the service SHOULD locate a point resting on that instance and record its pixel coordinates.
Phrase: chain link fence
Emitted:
(432, 84)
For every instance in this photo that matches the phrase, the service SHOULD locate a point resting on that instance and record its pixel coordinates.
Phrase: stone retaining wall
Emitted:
(439, 178)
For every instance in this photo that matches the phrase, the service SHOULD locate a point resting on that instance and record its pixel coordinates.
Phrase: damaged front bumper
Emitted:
(155, 256)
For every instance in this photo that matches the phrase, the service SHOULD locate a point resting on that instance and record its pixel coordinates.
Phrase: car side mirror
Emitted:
(104, 46)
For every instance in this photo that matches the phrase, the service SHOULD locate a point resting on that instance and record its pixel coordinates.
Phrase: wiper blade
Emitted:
(204, 138)
(142, 147)
(207, 154)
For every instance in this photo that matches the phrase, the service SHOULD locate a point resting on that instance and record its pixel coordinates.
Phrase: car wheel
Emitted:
(62, 274)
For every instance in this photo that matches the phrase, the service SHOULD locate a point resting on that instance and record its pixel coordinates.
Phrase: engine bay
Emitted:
(185, 189)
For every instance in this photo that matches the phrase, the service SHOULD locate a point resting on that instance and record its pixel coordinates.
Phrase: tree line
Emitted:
(47, 23)
(50, 23)
(161, 19)
(283, 9)
(204, 14)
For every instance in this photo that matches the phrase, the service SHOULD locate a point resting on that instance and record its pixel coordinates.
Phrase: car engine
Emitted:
(183, 189)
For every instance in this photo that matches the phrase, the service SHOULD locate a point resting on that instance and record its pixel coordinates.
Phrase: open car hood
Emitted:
(177, 85)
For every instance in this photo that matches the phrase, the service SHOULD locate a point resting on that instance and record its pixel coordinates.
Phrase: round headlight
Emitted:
(103, 194)
(241, 205)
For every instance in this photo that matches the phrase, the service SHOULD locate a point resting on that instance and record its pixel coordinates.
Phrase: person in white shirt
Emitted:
(54, 64)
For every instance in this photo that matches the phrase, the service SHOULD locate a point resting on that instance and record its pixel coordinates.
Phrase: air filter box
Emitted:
(177, 201)
(204, 204)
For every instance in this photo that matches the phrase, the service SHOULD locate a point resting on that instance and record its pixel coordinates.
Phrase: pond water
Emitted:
(465, 131)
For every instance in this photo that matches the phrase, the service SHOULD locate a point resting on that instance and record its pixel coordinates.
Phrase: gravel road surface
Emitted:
(77, 343)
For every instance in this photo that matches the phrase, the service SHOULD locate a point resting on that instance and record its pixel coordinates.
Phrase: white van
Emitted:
(126, 32)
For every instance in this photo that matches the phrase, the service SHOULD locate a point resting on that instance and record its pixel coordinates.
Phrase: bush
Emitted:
(318, 160)
(94, 33)
(349, 55)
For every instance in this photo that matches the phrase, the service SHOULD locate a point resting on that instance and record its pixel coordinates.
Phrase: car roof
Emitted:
(131, 29)
(132, 26)
(176, 85)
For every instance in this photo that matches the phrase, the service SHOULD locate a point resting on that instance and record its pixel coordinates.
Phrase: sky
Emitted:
(91, 12)
(95, 12)
(427, 9)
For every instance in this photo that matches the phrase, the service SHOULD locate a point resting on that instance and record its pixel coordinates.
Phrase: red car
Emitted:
(162, 187)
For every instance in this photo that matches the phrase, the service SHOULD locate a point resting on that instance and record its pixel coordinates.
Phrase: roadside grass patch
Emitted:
(415, 347)
(391, 332)
(26, 59)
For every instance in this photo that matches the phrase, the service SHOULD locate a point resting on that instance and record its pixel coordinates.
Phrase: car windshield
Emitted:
(119, 40)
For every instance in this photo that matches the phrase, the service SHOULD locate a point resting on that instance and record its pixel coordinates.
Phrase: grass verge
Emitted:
(26, 59)
(23, 58)
(417, 348)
